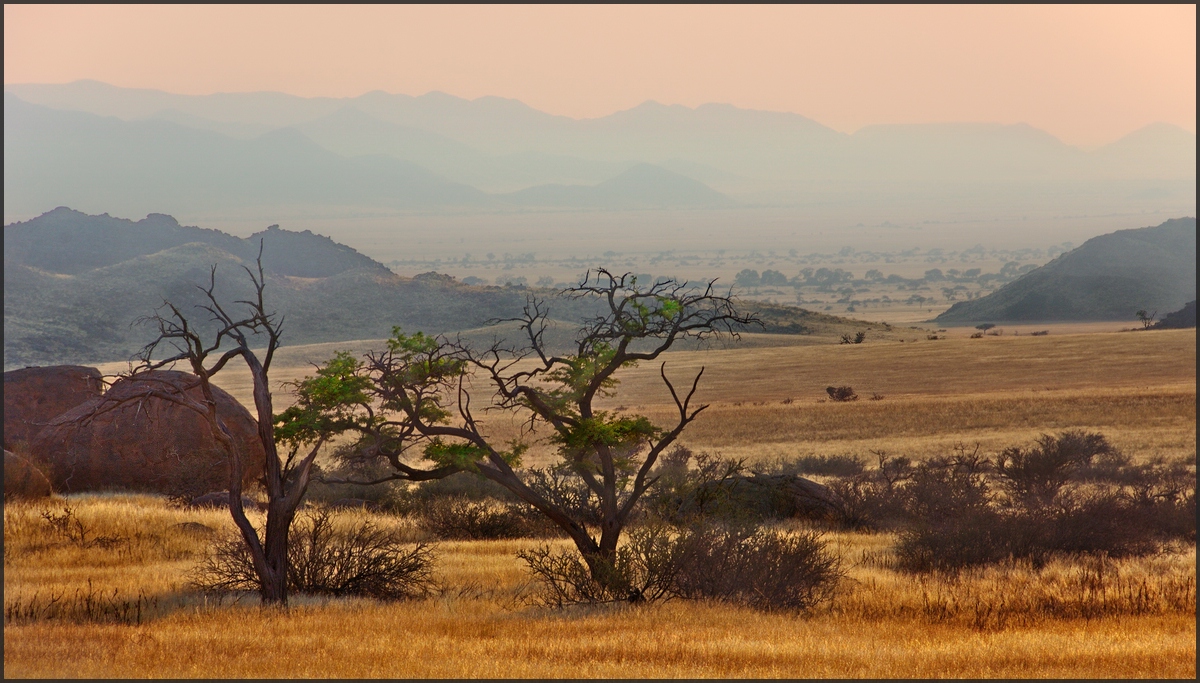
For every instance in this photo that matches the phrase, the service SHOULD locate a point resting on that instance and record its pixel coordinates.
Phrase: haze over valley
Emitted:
(436, 176)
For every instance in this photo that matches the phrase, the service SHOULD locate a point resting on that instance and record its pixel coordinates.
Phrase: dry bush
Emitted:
(466, 519)
(959, 521)
(1035, 476)
(824, 465)
(841, 393)
(363, 560)
(740, 565)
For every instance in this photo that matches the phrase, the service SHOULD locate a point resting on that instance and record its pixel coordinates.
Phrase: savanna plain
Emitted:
(112, 597)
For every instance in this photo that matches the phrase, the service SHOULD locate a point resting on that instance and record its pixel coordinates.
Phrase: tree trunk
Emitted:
(274, 584)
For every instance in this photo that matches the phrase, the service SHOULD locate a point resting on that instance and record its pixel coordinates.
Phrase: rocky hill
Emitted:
(1109, 277)
(75, 286)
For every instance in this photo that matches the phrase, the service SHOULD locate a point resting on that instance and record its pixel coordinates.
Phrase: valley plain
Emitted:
(1075, 617)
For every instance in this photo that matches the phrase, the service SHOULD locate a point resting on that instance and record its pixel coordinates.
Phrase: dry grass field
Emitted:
(1072, 618)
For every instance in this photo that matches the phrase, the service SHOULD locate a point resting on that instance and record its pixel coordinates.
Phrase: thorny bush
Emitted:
(361, 561)
(736, 564)
(1070, 493)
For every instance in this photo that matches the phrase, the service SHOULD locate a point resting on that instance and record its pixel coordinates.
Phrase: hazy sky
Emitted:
(1087, 74)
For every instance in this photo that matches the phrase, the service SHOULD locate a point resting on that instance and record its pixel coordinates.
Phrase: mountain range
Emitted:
(141, 150)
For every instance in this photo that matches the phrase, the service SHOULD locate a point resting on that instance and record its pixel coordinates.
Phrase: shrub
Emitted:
(829, 465)
(363, 561)
(463, 518)
(841, 393)
(1036, 475)
(857, 338)
(690, 486)
(758, 568)
(1071, 493)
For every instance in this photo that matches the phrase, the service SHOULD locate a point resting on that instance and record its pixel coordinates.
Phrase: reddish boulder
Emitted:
(148, 444)
(23, 479)
(35, 396)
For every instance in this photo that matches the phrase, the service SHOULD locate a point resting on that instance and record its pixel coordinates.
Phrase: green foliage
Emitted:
(327, 403)
(604, 429)
(465, 456)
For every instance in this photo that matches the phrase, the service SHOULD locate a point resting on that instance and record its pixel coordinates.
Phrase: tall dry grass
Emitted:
(1073, 618)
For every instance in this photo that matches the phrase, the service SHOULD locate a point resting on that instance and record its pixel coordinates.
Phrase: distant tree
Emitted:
(934, 275)
(773, 278)
(1147, 319)
(747, 278)
(984, 327)
(873, 275)
(545, 282)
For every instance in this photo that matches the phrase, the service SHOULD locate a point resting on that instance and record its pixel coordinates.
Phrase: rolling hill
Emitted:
(1109, 277)
(76, 285)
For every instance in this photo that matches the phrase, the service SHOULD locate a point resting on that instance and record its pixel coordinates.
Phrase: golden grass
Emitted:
(1072, 619)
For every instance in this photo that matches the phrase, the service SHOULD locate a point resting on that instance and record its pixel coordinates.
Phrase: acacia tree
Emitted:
(302, 430)
(420, 394)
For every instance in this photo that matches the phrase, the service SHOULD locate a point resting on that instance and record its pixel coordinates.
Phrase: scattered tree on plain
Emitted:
(417, 398)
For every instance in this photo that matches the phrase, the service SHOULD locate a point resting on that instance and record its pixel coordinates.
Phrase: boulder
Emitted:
(23, 479)
(147, 444)
(35, 396)
(777, 496)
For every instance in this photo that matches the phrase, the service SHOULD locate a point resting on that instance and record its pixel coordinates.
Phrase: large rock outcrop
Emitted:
(35, 396)
(23, 480)
(148, 444)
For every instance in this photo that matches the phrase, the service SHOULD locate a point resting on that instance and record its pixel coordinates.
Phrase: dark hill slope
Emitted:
(70, 242)
(74, 294)
(1109, 277)
(1177, 320)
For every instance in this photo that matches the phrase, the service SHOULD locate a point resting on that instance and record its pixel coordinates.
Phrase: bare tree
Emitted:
(303, 429)
(419, 394)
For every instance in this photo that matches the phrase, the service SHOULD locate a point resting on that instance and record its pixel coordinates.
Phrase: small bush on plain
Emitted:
(463, 518)
(361, 561)
(736, 564)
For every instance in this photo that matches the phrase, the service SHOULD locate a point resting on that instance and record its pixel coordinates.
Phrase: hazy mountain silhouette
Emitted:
(351, 132)
(755, 149)
(644, 186)
(55, 157)
(1109, 277)
(233, 157)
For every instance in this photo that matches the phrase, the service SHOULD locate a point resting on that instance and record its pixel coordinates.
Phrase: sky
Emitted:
(1086, 74)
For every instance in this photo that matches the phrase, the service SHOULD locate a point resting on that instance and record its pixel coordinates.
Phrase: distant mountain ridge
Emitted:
(56, 157)
(1109, 277)
(435, 149)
